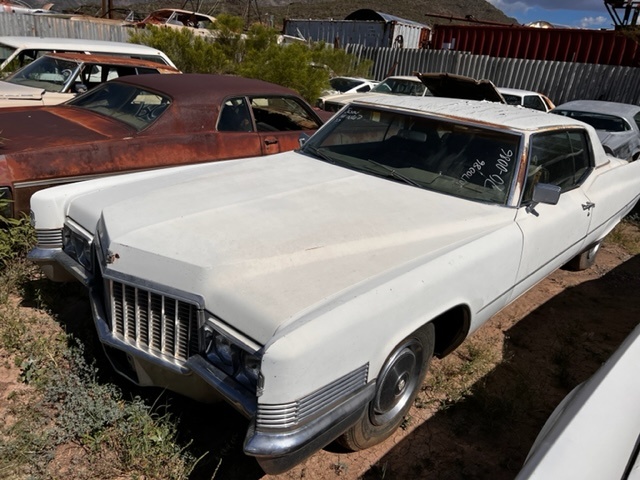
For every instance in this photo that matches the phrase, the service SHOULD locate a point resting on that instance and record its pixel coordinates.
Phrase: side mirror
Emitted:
(302, 139)
(544, 193)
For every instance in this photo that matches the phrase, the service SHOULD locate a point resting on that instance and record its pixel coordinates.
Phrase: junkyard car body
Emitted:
(146, 121)
(341, 85)
(424, 84)
(57, 77)
(198, 23)
(15, 52)
(595, 432)
(527, 99)
(310, 290)
(394, 85)
(617, 124)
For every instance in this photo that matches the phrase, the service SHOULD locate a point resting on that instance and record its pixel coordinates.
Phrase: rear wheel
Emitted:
(396, 388)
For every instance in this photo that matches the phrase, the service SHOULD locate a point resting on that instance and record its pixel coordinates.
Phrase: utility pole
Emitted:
(251, 4)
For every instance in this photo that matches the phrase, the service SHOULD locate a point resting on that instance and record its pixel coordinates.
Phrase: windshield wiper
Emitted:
(316, 151)
(395, 174)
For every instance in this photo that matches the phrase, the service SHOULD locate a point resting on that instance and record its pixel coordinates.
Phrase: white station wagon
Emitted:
(311, 289)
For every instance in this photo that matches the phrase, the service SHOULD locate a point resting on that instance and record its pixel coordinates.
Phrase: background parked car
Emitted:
(595, 431)
(394, 85)
(423, 85)
(341, 85)
(146, 121)
(527, 99)
(57, 77)
(617, 124)
(16, 52)
(198, 23)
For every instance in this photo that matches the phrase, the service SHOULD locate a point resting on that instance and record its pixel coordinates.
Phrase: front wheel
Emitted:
(585, 260)
(396, 388)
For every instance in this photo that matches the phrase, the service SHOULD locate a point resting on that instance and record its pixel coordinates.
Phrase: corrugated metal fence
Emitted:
(14, 24)
(561, 81)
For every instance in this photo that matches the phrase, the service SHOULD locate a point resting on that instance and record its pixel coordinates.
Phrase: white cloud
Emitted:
(595, 22)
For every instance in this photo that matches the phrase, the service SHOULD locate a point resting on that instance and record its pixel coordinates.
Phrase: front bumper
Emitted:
(58, 266)
(276, 450)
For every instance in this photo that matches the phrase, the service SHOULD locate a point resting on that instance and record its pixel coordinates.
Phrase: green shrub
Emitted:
(255, 54)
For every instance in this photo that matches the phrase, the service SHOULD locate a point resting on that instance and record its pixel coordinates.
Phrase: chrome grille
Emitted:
(294, 413)
(49, 238)
(160, 325)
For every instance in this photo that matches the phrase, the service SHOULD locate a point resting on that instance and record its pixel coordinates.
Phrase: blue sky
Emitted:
(568, 13)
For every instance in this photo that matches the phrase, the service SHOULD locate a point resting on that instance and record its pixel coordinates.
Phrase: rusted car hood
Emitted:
(11, 91)
(22, 128)
(277, 237)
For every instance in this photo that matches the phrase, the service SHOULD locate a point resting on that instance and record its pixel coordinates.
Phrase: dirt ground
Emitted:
(539, 348)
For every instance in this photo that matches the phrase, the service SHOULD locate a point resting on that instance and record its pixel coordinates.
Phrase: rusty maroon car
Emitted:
(145, 122)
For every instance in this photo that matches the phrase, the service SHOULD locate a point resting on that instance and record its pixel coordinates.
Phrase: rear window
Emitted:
(132, 105)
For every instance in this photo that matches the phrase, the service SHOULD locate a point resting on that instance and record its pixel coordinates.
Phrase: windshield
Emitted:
(48, 73)
(456, 159)
(129, 104)
(599, 121)
(342, 84)
(400, 86)
(512, 99)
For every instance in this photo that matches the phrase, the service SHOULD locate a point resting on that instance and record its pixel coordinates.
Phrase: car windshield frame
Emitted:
(466, 160)
(49, 73)
(130, 104)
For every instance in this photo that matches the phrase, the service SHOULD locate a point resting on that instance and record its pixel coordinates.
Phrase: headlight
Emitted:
(77, 247)
(231, 358)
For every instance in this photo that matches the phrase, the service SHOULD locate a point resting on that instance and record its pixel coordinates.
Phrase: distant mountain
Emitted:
(277, 10)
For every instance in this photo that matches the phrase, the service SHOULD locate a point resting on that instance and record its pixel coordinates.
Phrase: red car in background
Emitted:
(143, 122)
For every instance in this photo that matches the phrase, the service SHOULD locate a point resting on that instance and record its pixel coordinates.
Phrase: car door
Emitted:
(280, 120)
(554, 234)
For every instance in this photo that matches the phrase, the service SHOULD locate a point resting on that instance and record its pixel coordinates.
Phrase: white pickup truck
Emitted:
(310, 290)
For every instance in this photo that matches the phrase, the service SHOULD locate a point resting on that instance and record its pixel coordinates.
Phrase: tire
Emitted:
(396, 388)
(585, 260)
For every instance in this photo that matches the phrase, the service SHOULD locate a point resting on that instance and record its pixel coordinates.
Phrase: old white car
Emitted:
(311, 290)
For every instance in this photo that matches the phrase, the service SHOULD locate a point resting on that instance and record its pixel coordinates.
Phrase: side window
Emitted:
(560, 158)
(277, 114)
(535, 102)
(235, 116)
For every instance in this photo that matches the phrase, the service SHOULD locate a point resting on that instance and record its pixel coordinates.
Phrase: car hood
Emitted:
(459, 86)
(11, 91)
(55, 126)
(263, 240)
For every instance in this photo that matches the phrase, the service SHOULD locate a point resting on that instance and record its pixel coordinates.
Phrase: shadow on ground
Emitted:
(550, 351)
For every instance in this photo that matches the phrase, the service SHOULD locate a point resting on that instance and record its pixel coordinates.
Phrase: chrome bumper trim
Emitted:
(52, 257)
(277, 452)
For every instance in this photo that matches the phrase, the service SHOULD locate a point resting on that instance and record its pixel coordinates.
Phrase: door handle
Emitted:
(588, 206)
(270, 141)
